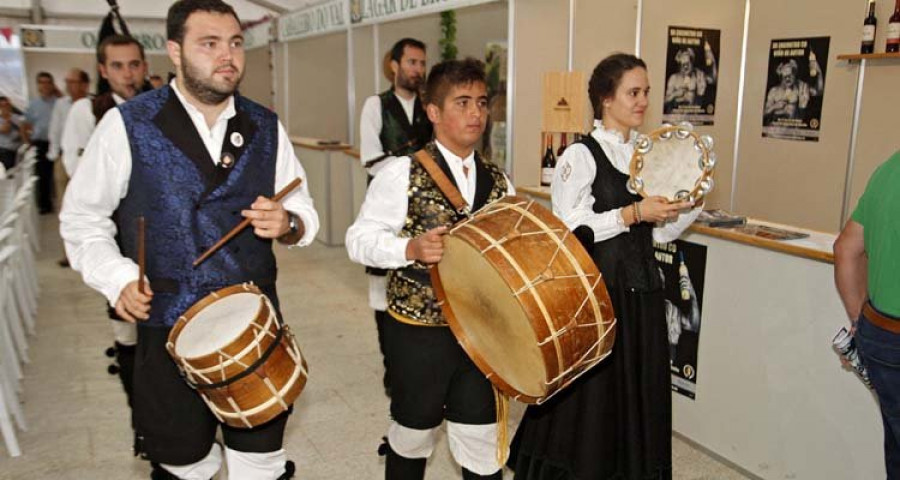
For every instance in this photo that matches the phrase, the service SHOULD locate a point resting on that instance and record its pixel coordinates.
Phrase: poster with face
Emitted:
(795, 88)
(682, 267)
(692, 71)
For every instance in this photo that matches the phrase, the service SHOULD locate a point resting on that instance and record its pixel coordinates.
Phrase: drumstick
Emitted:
(141, 254)
(236, 230)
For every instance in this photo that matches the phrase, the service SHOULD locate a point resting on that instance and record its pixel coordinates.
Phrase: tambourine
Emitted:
(673, 162)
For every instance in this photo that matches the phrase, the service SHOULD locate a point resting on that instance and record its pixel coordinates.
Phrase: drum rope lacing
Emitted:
(531, 283)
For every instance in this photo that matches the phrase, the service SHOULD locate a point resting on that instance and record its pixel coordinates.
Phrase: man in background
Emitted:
(12, 133)
(866, 262)
(37, 116)
(395, 123)
(120, 60)
(77, 85)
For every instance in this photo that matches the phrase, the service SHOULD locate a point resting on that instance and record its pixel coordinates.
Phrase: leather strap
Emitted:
(440, 179)
(880, 319)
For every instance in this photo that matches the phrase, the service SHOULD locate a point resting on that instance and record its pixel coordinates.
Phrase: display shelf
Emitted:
(867, 56)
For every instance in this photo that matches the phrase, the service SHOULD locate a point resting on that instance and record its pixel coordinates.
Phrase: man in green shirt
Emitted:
(867, 275)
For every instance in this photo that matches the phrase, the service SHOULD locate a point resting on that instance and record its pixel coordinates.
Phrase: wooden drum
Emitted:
(239, 356)
(524, 299)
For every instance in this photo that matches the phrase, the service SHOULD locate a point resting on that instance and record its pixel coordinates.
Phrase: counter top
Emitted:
(817, 246)
(318, 143)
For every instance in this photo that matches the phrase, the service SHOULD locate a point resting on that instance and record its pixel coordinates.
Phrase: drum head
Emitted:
(217, 325)
(502, 338)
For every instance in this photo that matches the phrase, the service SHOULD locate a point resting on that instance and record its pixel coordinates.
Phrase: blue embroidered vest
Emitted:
(189, 203)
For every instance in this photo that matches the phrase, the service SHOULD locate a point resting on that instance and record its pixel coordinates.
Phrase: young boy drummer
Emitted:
(400, 228)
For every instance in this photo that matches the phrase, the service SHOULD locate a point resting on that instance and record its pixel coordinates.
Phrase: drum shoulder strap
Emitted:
(444, 184)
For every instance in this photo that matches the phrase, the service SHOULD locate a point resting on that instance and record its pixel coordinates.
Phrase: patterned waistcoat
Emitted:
(409, 292)
(189, 202)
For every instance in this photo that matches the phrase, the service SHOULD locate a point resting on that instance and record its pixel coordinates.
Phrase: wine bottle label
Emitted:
(893, 32)
(547, 175)
(868, 33)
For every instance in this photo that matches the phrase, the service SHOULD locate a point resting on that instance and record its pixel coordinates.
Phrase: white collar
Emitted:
(119, 100)
(403, 100)
(193, 111)
(602, 133)
(448, 155)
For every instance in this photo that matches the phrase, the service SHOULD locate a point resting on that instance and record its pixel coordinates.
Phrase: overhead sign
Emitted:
(258, 36)
(57, 38)
(312, 21)
(377, 11)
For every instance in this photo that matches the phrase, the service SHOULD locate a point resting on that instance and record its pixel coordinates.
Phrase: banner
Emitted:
(795, 88)
(692, 72)
(258, 36)
(321, 19)
(56, 38)
(376, 11)
(682, 266)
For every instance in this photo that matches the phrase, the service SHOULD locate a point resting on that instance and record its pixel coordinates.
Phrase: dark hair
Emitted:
(451, 73)
(400, 46)
(41, 75)
(4, 97)
(606, 77)
(83, 76)
(155, 77)
(182, 9)
(117, 40)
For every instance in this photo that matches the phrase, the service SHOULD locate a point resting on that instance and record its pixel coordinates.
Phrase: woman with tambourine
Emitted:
(616, 421)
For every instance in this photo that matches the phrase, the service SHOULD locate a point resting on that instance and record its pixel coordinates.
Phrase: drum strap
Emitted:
(444, 184)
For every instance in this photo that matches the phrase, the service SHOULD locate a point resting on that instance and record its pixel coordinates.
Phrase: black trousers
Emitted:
(44, 171)
(433, 379)
(7, 158)
(173, 424)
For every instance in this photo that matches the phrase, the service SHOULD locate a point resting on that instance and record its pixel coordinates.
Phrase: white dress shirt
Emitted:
(370, 147)
(370, 129)
(101, 181)
(573, 201)
(57, 122)
(374, 239)
(79, 126)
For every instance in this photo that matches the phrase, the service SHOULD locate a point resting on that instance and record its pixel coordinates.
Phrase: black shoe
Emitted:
(467, 475)
(64, 263)
(289, 469)
(160, 473)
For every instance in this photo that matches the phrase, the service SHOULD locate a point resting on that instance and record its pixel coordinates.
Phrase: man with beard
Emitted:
(393, 123)
(791, 96)
(400, 227)
(188, 157)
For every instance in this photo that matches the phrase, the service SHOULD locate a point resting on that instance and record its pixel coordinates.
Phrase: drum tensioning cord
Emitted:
(249, 370)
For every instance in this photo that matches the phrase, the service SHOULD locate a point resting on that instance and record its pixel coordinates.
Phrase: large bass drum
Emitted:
(524, 299)
(242, 359)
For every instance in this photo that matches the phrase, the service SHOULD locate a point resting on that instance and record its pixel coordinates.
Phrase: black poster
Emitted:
(692, 71)
(795, 88)
(683, 268)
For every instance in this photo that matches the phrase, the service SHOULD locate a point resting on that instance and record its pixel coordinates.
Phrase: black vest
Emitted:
(396, 130)
(626, 260)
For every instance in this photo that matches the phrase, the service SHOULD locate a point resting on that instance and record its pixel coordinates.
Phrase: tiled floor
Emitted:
(78, 420)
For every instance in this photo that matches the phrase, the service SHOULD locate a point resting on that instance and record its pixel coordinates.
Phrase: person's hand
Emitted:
(269, 218)
(134, 305)
(427, 248)
(658, 209)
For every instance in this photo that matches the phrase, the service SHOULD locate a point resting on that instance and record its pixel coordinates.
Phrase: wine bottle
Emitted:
(869, 26)
(562, 145)
(893, 31)
(812, 63)
(548, 164)
(684, 281)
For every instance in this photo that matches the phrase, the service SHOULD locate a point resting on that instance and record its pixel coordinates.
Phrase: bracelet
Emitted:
(636, 210)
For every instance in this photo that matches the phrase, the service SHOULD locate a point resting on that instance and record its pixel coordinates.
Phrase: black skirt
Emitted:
(615, 422)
